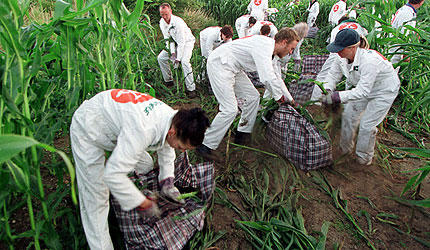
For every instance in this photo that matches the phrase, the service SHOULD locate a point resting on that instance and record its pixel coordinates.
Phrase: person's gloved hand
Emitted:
(149, 208)
(169, 190)
(330, 98)
(176, 63)
(173, 57)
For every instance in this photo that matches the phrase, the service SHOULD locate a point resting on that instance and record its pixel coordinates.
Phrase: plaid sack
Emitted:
(302, 90)
(291, 135)
(178, 223)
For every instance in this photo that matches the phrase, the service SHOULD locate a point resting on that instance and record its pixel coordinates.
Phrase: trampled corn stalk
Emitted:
(47, 70)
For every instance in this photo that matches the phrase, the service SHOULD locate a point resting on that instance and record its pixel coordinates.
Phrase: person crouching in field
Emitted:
(226, 66)
(181, 48)
(212, 37)
(376, 85)
(129, 124)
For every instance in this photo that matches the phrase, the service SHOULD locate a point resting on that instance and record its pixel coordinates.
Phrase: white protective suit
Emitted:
(226, 66)
(404, 16)
(182, 45)
(376, 85)
(257, 8)
(334, 57)
(210, 39)
(314, 10)
(255, 30)
(129, 124)
(337, 12)
(242, 25)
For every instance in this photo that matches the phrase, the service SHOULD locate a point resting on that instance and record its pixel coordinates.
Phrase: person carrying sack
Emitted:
(371, 87)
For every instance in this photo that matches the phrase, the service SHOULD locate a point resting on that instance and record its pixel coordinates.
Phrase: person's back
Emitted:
(406, 15)
(250, 54)
(257, 8)
(348, 24)
(337, 11)
(256, 29)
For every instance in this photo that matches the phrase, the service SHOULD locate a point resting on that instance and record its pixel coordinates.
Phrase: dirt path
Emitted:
(365, 188)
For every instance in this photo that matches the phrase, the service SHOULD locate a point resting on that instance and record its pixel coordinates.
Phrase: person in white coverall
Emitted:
(226, 66)
(129, 124)
(314, 10)
(212, 37)
(243, 24)
(258, 8)
(256, 29)
(344, 23)
(181, 48)
(375, 85)
(337, 12)
(406, 15)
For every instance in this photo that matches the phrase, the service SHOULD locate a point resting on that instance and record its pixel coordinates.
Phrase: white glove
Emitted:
(169, 190)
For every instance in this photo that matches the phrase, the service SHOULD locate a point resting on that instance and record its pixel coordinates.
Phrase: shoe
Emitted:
(169, 84)
(207, 153)
(363, 162)
(191, 94)
(242, 138)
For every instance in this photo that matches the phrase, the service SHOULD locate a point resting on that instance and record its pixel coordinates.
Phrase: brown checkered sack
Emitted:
(291, 135)
(301, 90)
(178, 223)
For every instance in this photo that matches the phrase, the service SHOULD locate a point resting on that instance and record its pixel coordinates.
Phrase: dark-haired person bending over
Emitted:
(129, 124)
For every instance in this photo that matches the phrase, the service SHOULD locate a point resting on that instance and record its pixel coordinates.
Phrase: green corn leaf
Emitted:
(18, 175)
(422, 152)
(11, 145)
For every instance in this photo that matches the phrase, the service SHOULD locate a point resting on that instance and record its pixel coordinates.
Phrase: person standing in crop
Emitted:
(226, 66)
(406, 15)
(258, 8)
(243, 24)
(129, 124)
(337, 12)
(212, 37)
(371, 87)
(181, 44)
(314, 10)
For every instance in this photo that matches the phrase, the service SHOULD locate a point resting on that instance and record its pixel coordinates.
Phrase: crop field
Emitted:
(56, 54)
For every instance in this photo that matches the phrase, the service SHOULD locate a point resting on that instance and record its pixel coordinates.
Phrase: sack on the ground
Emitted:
(294, 137)
(312, 32)
(178, 223)
(301, 90)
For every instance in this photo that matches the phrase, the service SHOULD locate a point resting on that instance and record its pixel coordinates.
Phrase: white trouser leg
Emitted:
(376, 110)
(93, 193)
(186, 66)
(203, 47)
(222, 83)
(350, 121)
(244, 89)
(163, 61)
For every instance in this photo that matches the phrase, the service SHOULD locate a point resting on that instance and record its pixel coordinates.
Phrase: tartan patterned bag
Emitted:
(291, 135)
(301, 91)
(178, 223)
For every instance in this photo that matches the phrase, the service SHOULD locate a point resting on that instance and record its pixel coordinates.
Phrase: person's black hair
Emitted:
(344, 18)
(190, 125)
(415, 1)
(252, 20)
(265, 30)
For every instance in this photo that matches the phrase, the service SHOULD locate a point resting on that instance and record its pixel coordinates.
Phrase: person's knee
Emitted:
(230, 112)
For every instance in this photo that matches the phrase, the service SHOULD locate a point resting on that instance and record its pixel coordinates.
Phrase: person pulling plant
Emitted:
(226, 66)
(129, 124)
(375, 85)
(181, 48)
